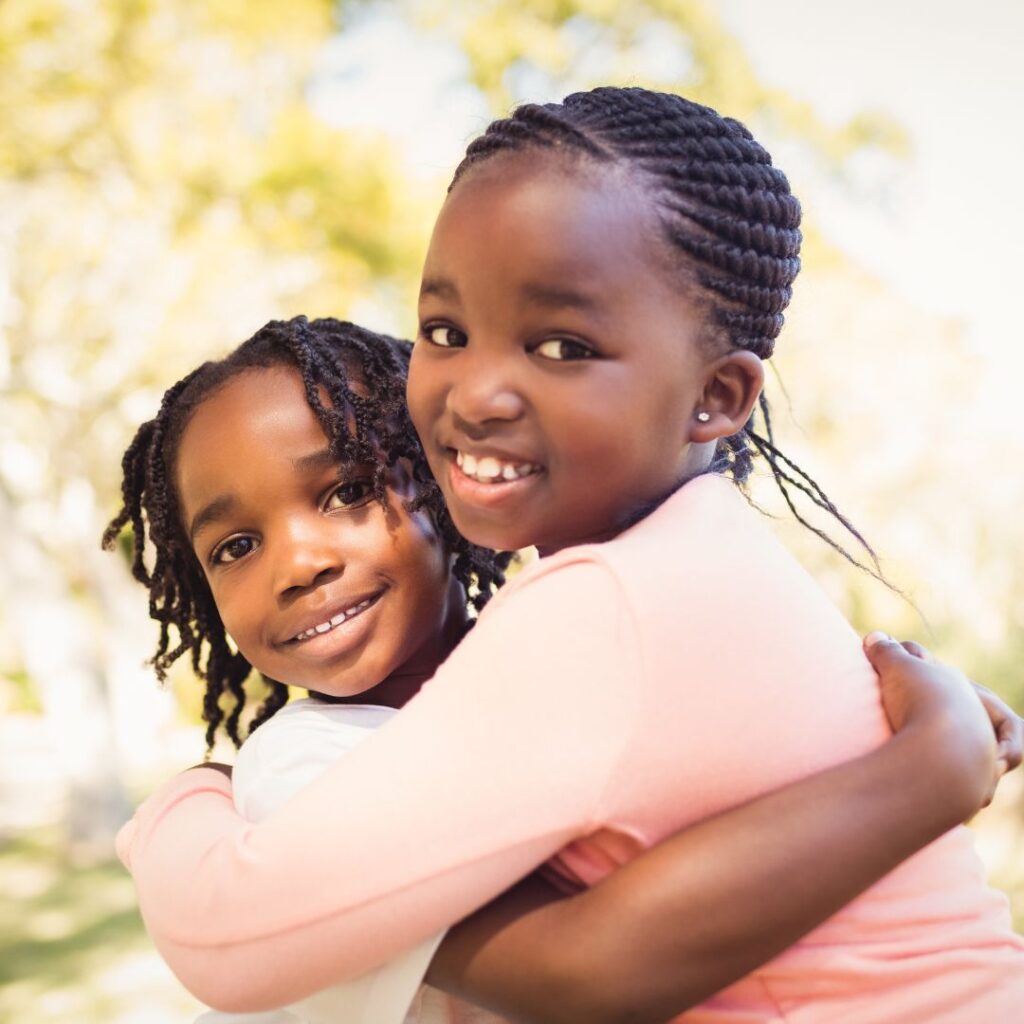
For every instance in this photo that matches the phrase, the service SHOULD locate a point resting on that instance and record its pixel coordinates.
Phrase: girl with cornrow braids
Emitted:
(602, 286)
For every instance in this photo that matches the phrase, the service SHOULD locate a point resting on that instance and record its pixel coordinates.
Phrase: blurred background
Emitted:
(173, 173)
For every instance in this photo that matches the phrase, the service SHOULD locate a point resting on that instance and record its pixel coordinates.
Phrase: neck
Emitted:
(699, 460)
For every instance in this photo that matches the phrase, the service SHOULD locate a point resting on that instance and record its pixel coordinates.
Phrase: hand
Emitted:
(1008, 725)
(919, 691)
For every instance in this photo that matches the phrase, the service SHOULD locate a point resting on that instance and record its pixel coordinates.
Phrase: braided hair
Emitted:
(366, 421)
(726, 214)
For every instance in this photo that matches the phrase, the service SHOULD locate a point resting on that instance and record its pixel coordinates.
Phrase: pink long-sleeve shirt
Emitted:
(610, 695)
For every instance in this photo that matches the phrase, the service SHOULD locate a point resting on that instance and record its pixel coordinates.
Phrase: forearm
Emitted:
(411, 831)
(709, 905)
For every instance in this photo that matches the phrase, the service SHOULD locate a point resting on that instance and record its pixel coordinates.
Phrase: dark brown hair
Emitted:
(366, 420)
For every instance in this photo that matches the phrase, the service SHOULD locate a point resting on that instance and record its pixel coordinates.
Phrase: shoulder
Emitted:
(310, 717)
(581, 568)
(562, 632)
(300, 740)
(315, 722)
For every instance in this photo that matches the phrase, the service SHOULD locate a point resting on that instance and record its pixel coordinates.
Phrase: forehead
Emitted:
(549, 216)
(255, 418)
(266, 405)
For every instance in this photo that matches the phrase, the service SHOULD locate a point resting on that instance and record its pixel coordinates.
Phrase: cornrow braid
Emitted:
(365, 418)
(724, 210)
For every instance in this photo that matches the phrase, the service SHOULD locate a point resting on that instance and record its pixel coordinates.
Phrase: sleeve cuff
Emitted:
(188, 783)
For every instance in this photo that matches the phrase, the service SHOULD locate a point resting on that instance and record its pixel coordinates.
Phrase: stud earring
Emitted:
(703, 417)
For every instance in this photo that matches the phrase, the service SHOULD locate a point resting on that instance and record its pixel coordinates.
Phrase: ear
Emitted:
(731, 388)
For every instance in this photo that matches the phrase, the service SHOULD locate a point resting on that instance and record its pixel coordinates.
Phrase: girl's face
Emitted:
(316, 583)
(558, 370)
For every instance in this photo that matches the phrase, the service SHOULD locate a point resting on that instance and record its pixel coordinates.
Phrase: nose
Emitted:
(307, 553)
(486, 393)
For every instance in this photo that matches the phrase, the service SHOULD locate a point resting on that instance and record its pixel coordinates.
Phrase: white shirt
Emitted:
(283, 756)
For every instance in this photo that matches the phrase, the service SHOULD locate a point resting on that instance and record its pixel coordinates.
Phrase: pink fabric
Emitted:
(609, 696)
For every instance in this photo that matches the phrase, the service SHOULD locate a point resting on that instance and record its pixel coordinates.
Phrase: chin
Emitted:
(493, 536)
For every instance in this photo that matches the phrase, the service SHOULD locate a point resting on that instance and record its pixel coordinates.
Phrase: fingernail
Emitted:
(876, 636)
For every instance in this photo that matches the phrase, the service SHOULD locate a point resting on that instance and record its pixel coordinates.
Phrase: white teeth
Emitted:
(489, 470)
(489, 467)
(325, 627)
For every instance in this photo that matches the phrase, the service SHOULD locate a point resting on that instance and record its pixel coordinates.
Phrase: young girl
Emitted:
(397, 606)
(601, 286)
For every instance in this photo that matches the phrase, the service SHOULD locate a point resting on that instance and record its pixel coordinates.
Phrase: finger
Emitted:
(883, 652)
(1008, 725)
(876, 636)
(1010, 745)
(998, 710)
(914, 648)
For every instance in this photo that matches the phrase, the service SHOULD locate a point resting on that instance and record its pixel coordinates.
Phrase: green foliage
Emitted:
(544, 48)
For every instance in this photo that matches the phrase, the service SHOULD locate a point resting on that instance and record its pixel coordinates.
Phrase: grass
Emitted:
(72, 944)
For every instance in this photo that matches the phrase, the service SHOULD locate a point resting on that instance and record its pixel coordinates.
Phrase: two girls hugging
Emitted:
(652, 774)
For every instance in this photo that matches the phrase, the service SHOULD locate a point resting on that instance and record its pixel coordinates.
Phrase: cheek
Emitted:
(424, 393)
(424, 554)
(421, 559)
(236, 607)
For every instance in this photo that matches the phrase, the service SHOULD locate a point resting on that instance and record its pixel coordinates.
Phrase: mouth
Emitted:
(491, 480)
(492, 469)
(334, 621)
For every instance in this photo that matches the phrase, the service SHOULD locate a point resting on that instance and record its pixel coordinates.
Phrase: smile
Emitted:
(334, 621)
(491, 470)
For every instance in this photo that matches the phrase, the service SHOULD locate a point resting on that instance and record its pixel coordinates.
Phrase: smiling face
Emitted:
(558, 369)
(317, 584)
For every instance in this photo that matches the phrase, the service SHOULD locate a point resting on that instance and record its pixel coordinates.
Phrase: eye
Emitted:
(564, 350)
(444, 336)
(232, 550)
(350, 494)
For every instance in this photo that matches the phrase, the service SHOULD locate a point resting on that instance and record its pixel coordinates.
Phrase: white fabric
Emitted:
(284, 755)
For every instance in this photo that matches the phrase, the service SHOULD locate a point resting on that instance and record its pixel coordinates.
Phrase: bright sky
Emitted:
(953, 74)
(950, 233)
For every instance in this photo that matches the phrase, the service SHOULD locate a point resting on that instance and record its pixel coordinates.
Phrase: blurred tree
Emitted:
(165, 188)
(165, 191)
(540, 49)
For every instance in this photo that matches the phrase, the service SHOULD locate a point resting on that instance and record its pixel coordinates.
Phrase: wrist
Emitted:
(949, 769)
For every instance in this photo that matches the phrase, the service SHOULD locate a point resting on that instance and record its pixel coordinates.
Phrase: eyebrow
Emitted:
(223, 504)
(212, 512)
(440, 287)
(558, 298)
(540, 294)
(314, 461)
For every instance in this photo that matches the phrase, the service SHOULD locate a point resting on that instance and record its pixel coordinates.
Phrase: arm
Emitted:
(442, 809)
(278, 761)
(492, 768)
(683, 927)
